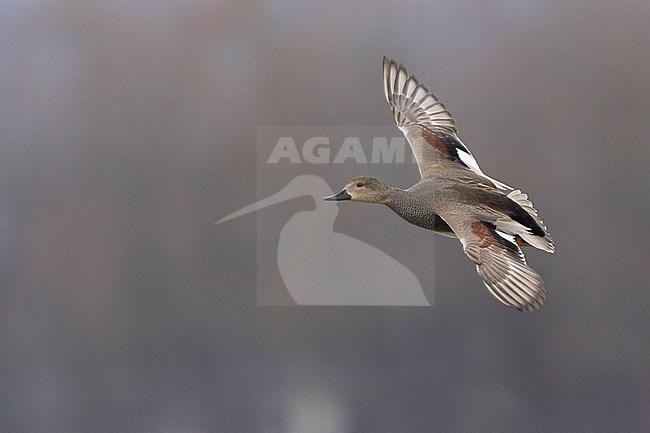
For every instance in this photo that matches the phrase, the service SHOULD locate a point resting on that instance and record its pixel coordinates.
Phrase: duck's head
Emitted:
(364, 189)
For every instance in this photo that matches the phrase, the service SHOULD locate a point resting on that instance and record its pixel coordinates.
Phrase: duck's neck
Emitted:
(396, 198)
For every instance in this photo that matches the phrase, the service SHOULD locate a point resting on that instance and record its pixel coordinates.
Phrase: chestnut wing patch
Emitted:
(450, 145)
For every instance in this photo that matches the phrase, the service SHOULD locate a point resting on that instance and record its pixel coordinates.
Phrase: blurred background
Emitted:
(129, 127)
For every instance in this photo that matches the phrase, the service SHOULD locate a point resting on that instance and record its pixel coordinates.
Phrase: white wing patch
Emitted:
(469, 160)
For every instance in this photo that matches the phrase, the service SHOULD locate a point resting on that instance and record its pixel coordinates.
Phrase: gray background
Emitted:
(128, 128)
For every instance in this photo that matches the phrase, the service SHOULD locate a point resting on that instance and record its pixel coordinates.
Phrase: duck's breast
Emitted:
(417, 207)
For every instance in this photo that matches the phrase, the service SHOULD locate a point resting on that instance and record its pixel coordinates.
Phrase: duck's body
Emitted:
(455, 198)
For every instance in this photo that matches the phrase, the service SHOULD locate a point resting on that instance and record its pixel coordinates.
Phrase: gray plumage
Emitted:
(455, 198)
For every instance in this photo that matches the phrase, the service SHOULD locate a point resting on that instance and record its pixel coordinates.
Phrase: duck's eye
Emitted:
(359, 185)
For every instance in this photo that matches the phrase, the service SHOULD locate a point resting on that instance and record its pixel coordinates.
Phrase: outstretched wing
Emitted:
(499, 262)
(412, 103)
(427, 124)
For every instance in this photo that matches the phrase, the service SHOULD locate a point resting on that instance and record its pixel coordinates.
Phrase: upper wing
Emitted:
(499, 262)
(427, 124)
(411, 101)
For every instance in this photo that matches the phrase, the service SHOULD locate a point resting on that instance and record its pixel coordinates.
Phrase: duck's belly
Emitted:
(431, 222)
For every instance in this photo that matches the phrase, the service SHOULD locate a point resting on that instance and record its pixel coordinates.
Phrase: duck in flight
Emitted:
(455, 198)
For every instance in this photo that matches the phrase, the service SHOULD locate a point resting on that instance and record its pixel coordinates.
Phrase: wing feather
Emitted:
(499, 262)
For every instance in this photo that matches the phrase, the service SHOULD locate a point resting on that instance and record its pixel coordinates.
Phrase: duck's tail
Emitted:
(543, 242)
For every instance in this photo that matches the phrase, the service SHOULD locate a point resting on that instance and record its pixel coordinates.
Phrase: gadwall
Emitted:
(455, 198)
